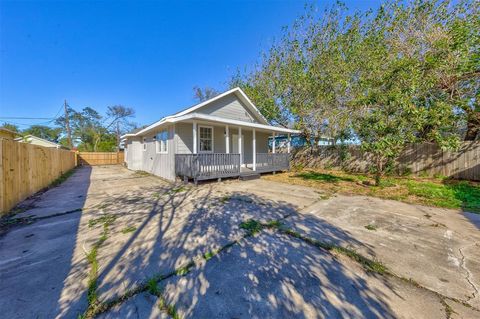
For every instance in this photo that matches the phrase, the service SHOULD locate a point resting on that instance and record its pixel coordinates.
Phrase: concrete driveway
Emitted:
(113, 243)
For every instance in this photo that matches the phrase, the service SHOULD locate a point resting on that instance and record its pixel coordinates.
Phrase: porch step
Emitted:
(247, 176)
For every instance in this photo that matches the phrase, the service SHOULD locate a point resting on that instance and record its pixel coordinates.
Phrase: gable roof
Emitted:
(30, 137)
(239, 93)
(190, 113)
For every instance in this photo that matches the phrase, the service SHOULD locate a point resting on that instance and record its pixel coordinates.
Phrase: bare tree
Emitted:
(204, 94)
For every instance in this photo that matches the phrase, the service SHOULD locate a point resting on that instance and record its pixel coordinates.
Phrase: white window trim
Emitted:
(158, 147)
(144, 144)
(199, 138)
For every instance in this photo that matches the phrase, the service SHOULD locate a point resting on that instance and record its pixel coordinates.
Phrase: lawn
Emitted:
(439, 192)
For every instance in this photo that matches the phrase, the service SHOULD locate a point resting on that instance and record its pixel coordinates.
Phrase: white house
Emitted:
(225, 136)
(35, 140)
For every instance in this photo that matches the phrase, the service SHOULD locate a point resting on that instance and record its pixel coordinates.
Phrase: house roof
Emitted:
(189, 114)
(6, 130)
(33, 137)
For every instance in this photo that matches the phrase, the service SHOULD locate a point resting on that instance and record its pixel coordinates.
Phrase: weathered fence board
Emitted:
(25, 169)
(100, 158)
(430, 159)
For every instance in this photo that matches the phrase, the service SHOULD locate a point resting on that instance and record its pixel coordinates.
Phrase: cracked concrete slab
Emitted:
(275, 276)
(142, 306)
(441, 252)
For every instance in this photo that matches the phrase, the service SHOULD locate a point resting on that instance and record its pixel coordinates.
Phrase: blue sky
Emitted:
(147, 55)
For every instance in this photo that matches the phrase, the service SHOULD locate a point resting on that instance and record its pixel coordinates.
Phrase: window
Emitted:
(144, 144)
(161, 140)
(206, 139)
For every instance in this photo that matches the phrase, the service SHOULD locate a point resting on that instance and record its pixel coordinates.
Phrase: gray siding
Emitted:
(183, 138)
(229, 107)
(134, 154)
(162, 165)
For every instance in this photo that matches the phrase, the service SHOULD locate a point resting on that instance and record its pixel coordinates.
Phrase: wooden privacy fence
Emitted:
(25, 169)
(100, 158)
(430, 159)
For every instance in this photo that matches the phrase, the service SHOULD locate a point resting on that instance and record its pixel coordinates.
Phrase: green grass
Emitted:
(182, 271)
(438, 191)
(104, 219)
(371, 227)
(328, 178)
(128, 229)
(152, 288)
(62, 178)
(450, 194)
(251, 226)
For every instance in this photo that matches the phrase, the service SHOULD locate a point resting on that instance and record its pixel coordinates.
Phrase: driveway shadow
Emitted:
(37, 257)
(263, 277)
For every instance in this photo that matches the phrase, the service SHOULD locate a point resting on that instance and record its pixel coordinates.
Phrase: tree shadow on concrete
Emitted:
(37, 257)
(271, 275)
(265, 276)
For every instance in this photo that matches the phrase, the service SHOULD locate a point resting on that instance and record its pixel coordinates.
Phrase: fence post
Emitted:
(2, 181)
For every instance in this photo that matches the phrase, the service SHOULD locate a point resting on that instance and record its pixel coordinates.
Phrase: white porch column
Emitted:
(240, 144)
(273, 142)
(288, 143)
(254, 155)
(227, 139)
(194, 137)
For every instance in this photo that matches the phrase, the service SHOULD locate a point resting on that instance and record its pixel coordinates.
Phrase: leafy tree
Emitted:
(93, 132)
(45, 132)
(11, 127)
(408, 72)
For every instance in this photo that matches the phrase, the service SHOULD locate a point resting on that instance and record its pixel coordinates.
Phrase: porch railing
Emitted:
(271, 162)
(207, 166)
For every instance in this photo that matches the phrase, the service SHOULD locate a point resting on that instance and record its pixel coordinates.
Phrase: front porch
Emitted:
(222, 165)
(217, 151)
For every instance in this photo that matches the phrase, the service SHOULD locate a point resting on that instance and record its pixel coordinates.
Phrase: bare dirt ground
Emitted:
(113, 243)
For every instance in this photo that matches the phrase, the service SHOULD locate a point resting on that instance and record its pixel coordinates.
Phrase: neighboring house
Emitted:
(31, 139)
(225, 136)
(7, 134)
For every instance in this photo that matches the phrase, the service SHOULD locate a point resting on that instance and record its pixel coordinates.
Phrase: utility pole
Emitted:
(67, 125)
(118, 136)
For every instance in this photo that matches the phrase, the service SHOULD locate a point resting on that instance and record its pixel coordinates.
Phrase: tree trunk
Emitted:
(473, 126)
(379, 170)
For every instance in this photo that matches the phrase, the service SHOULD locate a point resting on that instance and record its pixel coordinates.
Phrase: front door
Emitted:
(235, 146)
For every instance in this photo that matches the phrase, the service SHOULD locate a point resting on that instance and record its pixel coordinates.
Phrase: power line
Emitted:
(25, 118)
(50, 119)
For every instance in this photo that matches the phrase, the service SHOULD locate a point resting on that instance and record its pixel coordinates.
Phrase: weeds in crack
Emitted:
(128, 229)
(252, 227)
(106, 219)
(149, 285)
(92, 295)
(62, 178)
(163, 305)
(182, 271)
(368, 264)
(448, 310)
